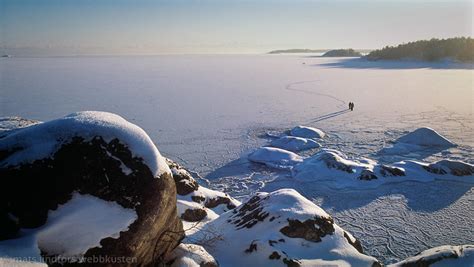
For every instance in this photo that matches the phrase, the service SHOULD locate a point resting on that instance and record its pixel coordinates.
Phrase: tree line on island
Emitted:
(459, 49)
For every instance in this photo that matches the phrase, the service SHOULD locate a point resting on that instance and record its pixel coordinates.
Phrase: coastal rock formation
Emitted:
(281, 228)
(99, 167)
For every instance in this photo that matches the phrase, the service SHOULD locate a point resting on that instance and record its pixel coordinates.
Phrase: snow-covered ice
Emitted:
(209, 111)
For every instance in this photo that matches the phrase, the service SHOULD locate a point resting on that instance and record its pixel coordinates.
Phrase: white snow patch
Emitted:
(293, 143)
(71, 230)
(42, 140)
(81, 223)
(190, 255)
(275, 157)
(307, 132)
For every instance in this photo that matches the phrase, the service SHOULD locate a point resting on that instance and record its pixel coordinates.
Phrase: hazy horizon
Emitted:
(118, 27)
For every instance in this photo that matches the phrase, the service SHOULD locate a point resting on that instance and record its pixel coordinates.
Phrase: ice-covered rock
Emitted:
(281, 228)
(94, 169)
(307, 132)
(190, 255)
(275, 157)
(329, 163)
(292, 143)
(443, 256)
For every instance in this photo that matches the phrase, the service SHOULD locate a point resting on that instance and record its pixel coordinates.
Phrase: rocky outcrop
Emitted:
(277, 229)
(100, 162)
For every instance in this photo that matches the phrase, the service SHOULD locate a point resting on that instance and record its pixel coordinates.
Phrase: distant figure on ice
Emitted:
(351, 106)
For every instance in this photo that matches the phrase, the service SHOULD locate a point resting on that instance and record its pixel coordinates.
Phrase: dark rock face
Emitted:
(274, 256)
(185, 183)
(214, 202)
(355, 243)
(386, 170)
(367, 175)
(194, 215)
(249, 213)
(307, 229)
(332, 162)
(456, 168)
(29, 191)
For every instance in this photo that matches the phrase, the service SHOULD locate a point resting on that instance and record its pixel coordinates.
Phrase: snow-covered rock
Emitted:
(197, 205)
(337, 170)
(281, 228)
(443, 256)
(292, 143)
(421, 139)
(90, 184)
(307, 132)
(275, 157)
(190, 255)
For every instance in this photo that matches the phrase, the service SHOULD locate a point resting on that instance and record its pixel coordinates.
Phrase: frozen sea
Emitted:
(209, 111)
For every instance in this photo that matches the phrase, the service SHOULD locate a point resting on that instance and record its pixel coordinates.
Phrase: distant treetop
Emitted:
(459, 49)
(342, 53)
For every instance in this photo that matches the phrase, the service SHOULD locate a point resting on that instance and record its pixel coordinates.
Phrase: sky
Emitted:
(65, 27)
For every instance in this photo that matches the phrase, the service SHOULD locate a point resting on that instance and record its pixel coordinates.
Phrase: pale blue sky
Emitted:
(222, 26)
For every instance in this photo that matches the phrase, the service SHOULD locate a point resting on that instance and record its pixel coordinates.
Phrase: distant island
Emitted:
(342, 53)
(298, 50)
(459, 49)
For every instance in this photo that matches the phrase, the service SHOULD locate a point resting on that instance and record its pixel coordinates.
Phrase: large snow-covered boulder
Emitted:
(443, 256)
(307, 132)
(292, 143)
(197, 205)
(94, 168)
(425, 137)
(275, 157)
(421, 139)
(281, 228)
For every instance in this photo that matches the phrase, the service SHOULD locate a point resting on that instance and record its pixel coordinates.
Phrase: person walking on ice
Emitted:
(352, 106)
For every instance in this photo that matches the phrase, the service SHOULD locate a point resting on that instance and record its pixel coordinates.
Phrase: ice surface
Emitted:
(41, 141)
(209, 111)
